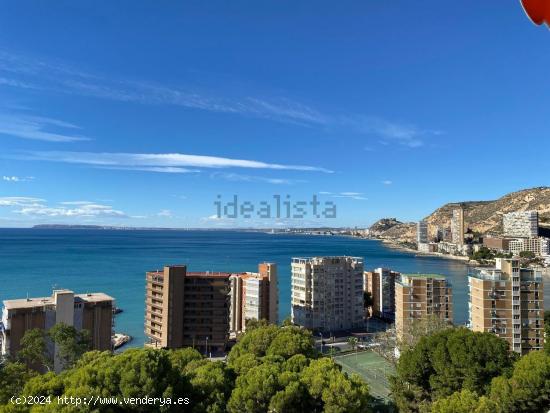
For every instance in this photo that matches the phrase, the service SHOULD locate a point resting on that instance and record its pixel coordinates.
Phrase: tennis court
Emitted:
(374, 369)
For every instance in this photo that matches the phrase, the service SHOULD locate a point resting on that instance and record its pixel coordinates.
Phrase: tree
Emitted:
(527, 254)
(418, 328)
(70, 343)
(212, 383)
(352, 341)
(446, 362)
(34, 351)
(13, 376)
(465, 401)
(367, 299)
(528, 388)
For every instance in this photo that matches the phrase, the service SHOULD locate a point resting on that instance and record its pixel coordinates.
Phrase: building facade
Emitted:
(380, 283)
(540, 246)
(254, 296)
(457, 226)
(509, 301)
(327, 293)
(422, 232)
(92, 312)
(497, 243)
(522, 224)
(419, 296)
(187, 309)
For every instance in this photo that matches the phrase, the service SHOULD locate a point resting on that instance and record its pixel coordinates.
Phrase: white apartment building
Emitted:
(524, 224)
(540, 246)
(327, 293)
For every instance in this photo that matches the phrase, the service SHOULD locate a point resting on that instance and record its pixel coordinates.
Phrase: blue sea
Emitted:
(34, 261)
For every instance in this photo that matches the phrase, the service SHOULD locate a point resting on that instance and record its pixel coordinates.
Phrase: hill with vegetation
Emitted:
(484, 217)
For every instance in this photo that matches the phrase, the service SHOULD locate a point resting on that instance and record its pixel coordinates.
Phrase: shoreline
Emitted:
(395, 245)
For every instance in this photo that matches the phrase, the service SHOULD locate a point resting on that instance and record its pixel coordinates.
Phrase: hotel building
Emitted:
(508, 301)
(380, 283)
(187, 309)
(539, 246)
(327, 293)
(522, 224)
(254, 296)
(92, 312)
(419, 296)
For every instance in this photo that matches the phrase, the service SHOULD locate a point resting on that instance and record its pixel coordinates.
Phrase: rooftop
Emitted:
(43, 301)
(434, 276)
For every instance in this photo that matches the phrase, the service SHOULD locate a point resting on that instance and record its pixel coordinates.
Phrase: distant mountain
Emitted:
(484, 217)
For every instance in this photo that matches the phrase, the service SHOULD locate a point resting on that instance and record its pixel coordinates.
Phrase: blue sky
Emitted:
(141, 114)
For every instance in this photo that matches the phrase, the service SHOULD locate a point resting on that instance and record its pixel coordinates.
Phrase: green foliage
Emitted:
(528, 389)
(465, 401)
(447, 362)
(34, 349)
(547, 332)
(70, 343)
(270, 369)
(482, 254)
(527, 254)
(13, 376)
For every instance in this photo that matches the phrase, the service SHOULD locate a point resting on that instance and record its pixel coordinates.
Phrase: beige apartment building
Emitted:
(187, 309)
(509, 301)
(254, 296)
(92, 312)
(418, 296)
(458, 227)
(327, 293)
(380, 283)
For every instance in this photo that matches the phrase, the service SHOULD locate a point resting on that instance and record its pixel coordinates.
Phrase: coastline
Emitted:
(395, 245)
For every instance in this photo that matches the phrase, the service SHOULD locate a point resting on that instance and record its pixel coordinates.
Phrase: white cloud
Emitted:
(387, 182)
(36, 128)
(159, 160)
(165, 213)
(7, 201)
(346, 194)
(37, 207)
(249, 178)
(80, 210)
(14, 178)
(160, 169)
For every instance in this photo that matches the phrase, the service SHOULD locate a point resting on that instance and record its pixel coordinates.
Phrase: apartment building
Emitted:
(380, 283)
(521, 224)
(187, 309)
(457, 226)
(327, 293)
(92, 312)
(497, 243)
(419, 296)
(509, 301)
(422, 232)
(254, 296)
(540, 246)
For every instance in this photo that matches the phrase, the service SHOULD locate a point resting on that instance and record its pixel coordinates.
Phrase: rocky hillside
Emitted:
(480, 216)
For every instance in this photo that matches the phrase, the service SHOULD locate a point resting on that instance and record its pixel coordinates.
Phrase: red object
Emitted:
(537, 10)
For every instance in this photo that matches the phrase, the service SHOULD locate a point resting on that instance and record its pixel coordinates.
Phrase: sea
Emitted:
(35, 261)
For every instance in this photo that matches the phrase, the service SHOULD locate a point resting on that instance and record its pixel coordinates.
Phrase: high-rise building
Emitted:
(523, 224)
(380, 283)
(92, 312)
(327, 293)
(187, 309)
(457, 226)
(509, 301)
(419, 296)
(422, 232)
(254, 296)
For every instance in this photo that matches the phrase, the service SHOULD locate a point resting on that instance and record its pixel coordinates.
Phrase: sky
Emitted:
(162, 114)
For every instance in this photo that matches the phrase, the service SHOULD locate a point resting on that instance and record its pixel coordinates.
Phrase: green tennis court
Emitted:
(374, 369)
